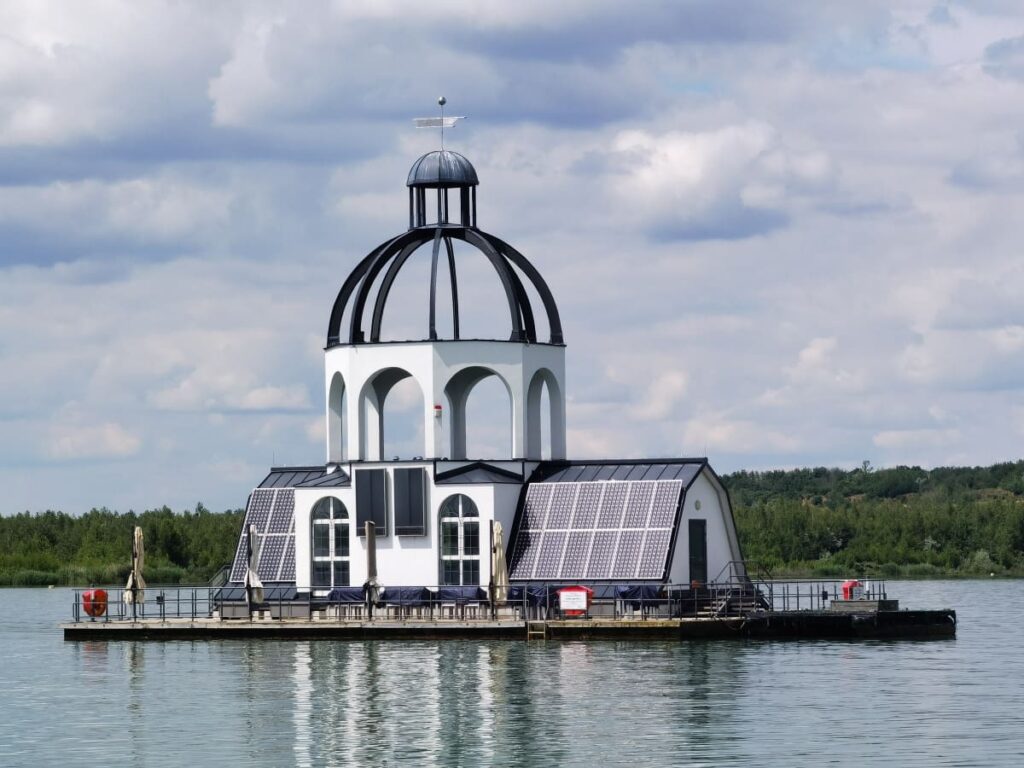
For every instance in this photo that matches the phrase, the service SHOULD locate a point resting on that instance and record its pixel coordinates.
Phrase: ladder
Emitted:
(536, 630)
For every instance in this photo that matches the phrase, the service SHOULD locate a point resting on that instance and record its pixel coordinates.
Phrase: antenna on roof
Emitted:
(441, 122)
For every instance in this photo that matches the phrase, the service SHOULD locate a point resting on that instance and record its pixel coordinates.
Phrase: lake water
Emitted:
(929, 703)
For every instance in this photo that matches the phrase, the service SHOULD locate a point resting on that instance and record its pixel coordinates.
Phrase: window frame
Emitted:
(337, 517)
(458, 510)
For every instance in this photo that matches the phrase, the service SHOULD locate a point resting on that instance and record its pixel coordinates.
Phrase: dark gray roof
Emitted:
(442, 168)
(336, 479)
(290, 477)
(304, 477)
(640, 469)
(477, 472)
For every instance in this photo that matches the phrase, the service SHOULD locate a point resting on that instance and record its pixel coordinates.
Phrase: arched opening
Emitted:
(330, 544)
(458, 531)
(545, 422)
(337, 432)
(479, 426)
(391, 416)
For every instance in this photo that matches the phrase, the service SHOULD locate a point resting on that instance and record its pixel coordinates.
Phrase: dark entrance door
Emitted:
(699, 551)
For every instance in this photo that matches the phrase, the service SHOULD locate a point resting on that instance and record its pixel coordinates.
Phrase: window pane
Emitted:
(468, 507)
(321, 542)
(450, 508)
(470, 572)
(322, 509)
(450, 572)
(471, 538)
(321, 574)
(341, 573)
(449, 538)
(341, 539)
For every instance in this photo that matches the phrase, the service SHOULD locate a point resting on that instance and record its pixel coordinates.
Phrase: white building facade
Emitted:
(564, 522)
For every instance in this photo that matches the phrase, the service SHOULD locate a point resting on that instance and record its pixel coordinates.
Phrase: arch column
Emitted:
(556, 403)
(336, 420)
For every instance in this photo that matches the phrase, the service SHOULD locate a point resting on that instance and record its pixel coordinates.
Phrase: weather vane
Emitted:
(441, 122)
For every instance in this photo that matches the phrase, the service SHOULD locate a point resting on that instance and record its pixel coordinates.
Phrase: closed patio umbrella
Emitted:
(371, 589)
(253, 585)
(499, 569)
(133, 593)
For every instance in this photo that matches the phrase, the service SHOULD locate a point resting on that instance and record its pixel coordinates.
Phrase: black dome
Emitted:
(442, 168)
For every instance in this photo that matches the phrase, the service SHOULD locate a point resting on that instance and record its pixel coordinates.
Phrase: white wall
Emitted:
(722, 542)
(433, 365)
(404, 560)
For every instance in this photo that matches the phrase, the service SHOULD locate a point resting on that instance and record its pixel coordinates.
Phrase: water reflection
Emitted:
(455, 703)
(597, 704)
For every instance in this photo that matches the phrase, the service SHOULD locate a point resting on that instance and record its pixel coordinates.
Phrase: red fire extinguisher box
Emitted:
(853, 590)
(574, 601)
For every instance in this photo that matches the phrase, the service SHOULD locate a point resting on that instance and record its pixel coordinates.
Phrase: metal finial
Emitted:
(442, 101)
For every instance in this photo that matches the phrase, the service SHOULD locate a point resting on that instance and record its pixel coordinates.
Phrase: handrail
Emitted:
(739, 596)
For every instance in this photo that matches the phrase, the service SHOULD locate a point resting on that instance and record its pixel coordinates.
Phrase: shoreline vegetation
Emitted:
(904, 522)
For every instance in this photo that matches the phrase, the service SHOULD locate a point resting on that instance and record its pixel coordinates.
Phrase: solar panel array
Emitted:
(272, 511)
(595, 530)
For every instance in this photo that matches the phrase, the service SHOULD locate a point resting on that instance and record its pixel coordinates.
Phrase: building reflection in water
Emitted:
(466, 703)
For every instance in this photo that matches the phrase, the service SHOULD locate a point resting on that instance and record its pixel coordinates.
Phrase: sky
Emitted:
(779, 234)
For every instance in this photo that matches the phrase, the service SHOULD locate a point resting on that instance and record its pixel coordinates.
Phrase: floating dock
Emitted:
(775, 625)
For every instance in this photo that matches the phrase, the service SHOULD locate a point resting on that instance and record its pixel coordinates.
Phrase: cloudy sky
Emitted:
(780, 234)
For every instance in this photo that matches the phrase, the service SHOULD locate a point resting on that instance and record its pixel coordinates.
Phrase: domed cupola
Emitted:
(432, 182)
(442, 168)
(361, 369)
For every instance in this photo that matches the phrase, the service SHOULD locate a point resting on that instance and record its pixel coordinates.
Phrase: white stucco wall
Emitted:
(433, 365)
(403, 560)
(722, 543)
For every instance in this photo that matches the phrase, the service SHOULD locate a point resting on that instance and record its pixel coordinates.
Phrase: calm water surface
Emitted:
(951, 702)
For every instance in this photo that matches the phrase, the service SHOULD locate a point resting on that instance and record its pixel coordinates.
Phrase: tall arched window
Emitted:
(459, 531)
(330, 544)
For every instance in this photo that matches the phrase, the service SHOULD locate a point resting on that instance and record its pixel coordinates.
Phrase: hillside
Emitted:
(903, 521)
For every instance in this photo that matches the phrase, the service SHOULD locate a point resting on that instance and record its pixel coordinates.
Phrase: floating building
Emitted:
(590, 522)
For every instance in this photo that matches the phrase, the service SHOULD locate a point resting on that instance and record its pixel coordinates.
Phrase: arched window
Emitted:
(459, 531)
(330, 544)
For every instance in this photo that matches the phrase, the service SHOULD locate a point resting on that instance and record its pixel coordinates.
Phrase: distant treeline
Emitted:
(95, 548)
(904, 521)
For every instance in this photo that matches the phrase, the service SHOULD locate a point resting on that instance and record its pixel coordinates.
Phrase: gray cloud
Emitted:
(781, 233)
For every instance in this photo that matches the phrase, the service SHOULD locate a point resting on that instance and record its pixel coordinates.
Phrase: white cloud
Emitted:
(91, 441)
(787, 236)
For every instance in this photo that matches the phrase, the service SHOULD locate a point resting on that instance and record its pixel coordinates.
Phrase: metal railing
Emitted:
(735, 596)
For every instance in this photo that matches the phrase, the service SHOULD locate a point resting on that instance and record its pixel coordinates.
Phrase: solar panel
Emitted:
(524, 555)
(595, 529)
(283, 511)
(535, 511)
(562, 500)
(610, 514)
(288, 563)
(259, 508)
(602, 555)
(577, 550)
(666, 501)
(272, 512)
(586, 505)
(639, 505)
(270, 557)
(627, 555)
(238, 569)
(550, 558)
(652, 561)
